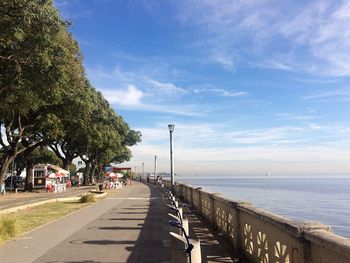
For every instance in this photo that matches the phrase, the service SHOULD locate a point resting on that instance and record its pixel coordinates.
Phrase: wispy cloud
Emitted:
(291, 116)
(166, 87)
(311, 36)
(211, 135)
(225, 60)
(219, 92)
(333, 94)
(206, 148)
(227, 93)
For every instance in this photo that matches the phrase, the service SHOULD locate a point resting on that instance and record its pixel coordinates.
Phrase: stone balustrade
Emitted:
(263, 236)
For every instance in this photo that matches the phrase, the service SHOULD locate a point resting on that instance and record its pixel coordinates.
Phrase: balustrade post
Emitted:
(191, 196)
(212, 211)
(308, 227)
(239, 229)
(200, 211)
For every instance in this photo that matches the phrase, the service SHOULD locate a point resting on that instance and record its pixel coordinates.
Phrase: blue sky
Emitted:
(251, 86)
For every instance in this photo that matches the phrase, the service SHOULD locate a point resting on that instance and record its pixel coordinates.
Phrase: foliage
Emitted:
(41, 67)
(45, 97)
(8, 228)
(88, 198)
(72, 169)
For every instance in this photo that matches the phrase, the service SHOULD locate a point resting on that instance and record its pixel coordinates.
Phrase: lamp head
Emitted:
(171, 127)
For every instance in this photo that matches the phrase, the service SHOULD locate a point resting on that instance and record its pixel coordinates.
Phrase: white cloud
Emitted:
(127, 97)
(227, 93)
(225, 60)
(290, 116)
(205, 148)
(339, 93)
(219, 92)
(166, 87)
(311, 36)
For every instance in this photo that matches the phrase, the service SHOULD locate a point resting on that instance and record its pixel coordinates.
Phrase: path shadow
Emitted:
(149, 245)
(126, 219)
(131, 213)
(119, 228)
(214, 248)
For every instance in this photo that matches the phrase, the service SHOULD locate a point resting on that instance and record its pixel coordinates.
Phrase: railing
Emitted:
(265, 237)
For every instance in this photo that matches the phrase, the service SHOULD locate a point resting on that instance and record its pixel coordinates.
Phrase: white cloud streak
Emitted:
(312, 36)
(339, 93)
(206, 148)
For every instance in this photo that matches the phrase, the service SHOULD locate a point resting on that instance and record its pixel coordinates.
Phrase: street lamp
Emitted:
(155, 169)
(171, 129)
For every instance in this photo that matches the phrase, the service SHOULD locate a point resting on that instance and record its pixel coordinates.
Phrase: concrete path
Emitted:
(127, 227)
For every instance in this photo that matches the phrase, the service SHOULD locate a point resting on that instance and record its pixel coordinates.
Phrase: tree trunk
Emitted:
(99, 172)
(29, 178)
(5, 162)
(92, 172)
(66, 163)
(86, 173)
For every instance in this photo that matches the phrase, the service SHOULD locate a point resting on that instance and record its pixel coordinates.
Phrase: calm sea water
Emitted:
(326, 200)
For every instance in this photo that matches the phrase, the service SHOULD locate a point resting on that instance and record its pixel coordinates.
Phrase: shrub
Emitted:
(8, 228)
(88, 198)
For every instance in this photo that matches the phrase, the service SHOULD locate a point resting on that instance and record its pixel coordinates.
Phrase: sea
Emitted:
(310, 198)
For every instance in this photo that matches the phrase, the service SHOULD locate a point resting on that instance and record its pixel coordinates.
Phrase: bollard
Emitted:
(185, 226)
(180, 212)
(178, 246)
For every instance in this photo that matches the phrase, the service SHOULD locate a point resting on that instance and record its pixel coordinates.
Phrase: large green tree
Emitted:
(107, 139)
(75, 119)
(40, 67)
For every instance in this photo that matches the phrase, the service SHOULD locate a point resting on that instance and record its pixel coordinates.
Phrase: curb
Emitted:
(60, 199)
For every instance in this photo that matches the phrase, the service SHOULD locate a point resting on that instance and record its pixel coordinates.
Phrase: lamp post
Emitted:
(155, 169)
(171, 129)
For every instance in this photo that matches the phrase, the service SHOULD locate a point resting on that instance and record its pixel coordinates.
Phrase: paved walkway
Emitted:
(127, 227)
(130, 226)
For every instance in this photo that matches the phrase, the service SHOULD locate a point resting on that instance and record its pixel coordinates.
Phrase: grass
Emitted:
(88, 198)
(15, 224)
(8, 228)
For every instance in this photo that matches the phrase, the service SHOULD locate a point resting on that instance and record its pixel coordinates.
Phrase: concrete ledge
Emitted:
(324, 238)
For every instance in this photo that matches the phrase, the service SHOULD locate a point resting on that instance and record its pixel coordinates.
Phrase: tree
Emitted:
(75, 119)
(40, 67)
(106, 139)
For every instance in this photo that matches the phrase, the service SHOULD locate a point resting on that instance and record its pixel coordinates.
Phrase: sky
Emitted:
(252, 86)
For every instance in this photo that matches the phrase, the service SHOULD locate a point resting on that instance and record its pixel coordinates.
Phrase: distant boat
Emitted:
(267, 174)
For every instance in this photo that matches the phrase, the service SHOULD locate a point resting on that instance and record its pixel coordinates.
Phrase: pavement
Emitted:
(126, 227)
(129, 226)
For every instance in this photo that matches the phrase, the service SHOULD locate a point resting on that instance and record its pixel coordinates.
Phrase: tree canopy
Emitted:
(46, 99)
